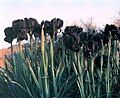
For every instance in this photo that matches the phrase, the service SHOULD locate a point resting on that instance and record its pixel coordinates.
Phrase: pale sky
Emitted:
(103, 11)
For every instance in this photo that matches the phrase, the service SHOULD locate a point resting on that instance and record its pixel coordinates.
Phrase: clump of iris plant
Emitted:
(20, 28)
(33, 28)
(52, 27)
(57, 24)
(74, 37)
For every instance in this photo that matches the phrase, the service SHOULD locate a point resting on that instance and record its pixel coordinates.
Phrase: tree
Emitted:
(117, 20)
(89, 25)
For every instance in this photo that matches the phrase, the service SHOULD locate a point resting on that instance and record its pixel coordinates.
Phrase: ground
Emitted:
(4, 52)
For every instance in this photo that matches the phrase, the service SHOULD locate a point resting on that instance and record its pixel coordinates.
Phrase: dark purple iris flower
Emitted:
(20, 28)
(97, 40)
(31, 23)
(71, 43)
(10, 34)
(110, 30)
(92, 42)
(84, 37)
(22, 35)
(71, 38)
(51, 27)
(48, 28)
(37, 31)
(73, 29)
(57, 23)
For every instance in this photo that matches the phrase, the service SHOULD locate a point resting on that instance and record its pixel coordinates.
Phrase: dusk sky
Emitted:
(102, 11)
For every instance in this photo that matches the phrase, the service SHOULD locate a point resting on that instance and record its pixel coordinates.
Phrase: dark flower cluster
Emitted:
(111, 31)
(33, 27)
(74, 37)
(92, 42)
(71, 38)
(57, 23)
(10, 35)
(52, 27)
(48, 28)
(37, 31)
(20, 28)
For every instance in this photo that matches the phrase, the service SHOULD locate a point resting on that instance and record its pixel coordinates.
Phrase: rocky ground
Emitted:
(4, 52)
